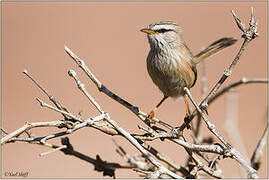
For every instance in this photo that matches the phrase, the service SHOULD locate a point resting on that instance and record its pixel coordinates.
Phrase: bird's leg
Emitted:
(150, 116)
(187, 111)
(187, 106)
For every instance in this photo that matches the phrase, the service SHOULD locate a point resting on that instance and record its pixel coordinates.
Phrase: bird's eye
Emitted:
(162, 30)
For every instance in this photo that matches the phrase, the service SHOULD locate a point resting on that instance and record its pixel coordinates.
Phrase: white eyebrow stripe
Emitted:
(166, 26)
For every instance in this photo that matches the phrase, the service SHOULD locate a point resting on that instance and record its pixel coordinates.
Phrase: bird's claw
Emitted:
(149, 118)
(187, 121)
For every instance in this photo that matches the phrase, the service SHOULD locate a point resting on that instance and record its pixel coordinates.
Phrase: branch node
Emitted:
(25, 71)
(28, 123)
(72, 73)
(227, 72)
(211, 126)
(106, 115)
(244, 80)
(252, 31)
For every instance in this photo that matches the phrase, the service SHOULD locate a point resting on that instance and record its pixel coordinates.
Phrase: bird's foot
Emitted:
(187, 115)
(149, 119)
(187, 121)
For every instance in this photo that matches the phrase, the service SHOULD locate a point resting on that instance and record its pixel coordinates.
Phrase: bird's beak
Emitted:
(148, 31)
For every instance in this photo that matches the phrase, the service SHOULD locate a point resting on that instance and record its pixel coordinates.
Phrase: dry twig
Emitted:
(235, 154)
(248, 35)
(257, 154)
(147, 165)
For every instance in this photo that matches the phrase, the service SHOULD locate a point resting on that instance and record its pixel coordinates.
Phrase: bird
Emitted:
(170, 63)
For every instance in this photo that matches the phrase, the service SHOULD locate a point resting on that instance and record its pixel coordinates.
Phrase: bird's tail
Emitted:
(213, 49)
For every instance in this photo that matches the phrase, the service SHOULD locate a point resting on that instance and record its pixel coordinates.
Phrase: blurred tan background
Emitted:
(106, 35)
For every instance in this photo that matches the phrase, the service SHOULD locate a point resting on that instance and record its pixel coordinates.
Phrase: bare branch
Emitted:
(200, 165)
(248, 35)
(124, 133)
(242, 81)
(257, 154)
(28, 126)
(93, 122)
(133, 108)
(236, 155)
(4, 131)
(141, 115)
(81, 87)
(136, 162)
(166, 159)
(240, 25)
(82, 65)
(53, 150)
(174, 138)
(148, 162)
(51, 98)
(133, 141)
(203, 148)
(43, 104)
(99, 85)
